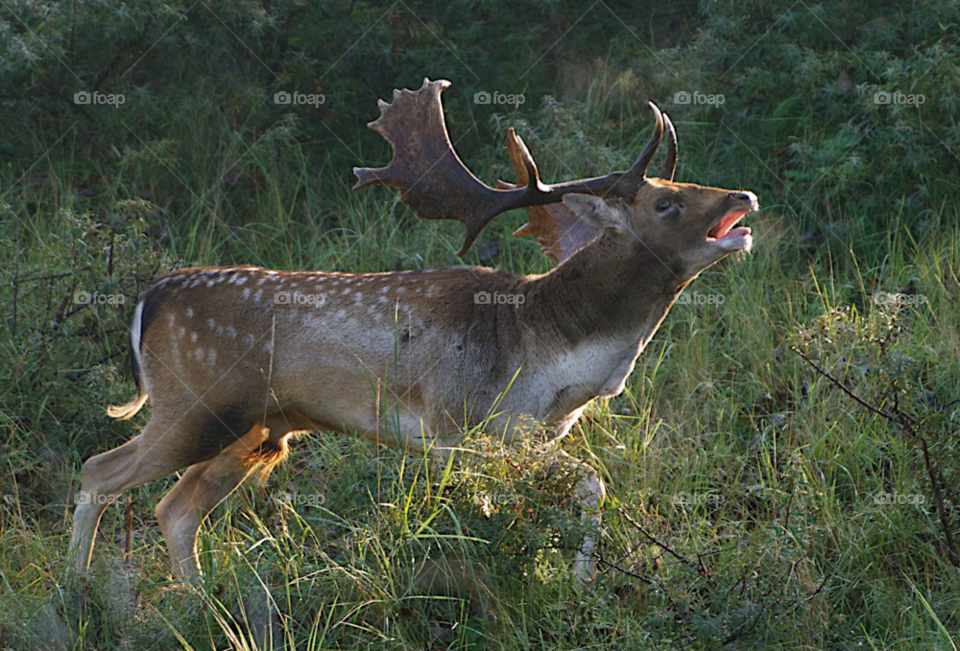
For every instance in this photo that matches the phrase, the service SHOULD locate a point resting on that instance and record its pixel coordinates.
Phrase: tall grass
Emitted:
(743, 486)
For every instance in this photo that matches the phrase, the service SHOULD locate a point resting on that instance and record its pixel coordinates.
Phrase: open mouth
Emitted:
(724, 227)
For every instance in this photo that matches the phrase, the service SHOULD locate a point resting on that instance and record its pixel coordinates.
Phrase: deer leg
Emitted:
(105, 476)
(201, 488)
(590, 491)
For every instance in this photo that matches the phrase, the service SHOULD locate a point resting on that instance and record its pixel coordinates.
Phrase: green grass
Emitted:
(754, 475)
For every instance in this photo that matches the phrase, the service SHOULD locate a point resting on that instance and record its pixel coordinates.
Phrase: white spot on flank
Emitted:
(180, 332)
(231, 332)
(212, 357)
(385, 289)
(242, 280)
(198, 353)
(189, 312)
(210, 283)
(170, 320)
(345, 292)
(233, 279)
(257, 296)
(248, 341)
(219, 330)
(401, 290)
(245, 294)
(193, 337)
(261, 281)
(341, 314)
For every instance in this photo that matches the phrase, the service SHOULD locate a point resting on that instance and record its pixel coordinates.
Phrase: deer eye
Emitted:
(663, 206)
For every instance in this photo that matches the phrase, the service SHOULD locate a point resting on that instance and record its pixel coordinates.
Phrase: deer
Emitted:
(236, 361)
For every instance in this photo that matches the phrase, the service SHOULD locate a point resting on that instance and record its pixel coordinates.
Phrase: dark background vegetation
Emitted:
(200, 166)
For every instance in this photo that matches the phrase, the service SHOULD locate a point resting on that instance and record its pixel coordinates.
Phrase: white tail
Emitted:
(129, 410)
(236, 360)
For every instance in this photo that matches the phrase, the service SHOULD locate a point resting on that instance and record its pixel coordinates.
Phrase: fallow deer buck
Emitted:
(235, 360)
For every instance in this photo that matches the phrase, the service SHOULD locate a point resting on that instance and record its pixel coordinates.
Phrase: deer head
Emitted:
(688, 227)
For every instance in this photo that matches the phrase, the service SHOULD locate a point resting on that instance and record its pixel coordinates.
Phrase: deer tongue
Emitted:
(722, 227)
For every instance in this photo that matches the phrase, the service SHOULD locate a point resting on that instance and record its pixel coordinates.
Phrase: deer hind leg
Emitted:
(105, 476)
(201, 488)
(590, 491)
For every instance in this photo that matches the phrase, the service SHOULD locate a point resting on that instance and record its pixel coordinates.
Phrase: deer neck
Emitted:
(607, 290)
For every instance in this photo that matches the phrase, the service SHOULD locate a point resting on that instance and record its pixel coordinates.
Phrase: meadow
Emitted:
(783, 466)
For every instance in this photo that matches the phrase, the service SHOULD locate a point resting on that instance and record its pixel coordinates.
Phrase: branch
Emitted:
(662, 545)
(907, 424)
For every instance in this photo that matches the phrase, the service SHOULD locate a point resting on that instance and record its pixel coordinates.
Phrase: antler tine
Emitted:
(627, 186)
(670, 163)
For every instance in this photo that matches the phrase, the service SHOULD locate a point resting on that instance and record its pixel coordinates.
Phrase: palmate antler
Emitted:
(434, 182)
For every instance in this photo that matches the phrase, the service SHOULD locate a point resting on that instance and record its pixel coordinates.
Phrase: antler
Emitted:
(434, 182)
(557, 228)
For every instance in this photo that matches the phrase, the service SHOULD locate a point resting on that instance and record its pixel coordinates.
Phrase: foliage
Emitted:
(752, 501)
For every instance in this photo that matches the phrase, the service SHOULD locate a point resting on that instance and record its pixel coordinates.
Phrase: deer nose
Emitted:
(743, 196)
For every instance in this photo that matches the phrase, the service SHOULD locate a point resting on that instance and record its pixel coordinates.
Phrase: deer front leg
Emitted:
(590, 491)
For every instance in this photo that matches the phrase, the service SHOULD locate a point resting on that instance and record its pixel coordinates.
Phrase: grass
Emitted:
(741, 483)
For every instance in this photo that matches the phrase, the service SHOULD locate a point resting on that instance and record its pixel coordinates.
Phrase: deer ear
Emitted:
(595, 210)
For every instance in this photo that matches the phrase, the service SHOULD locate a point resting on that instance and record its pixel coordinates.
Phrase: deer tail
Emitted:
(128, 410)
